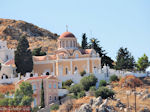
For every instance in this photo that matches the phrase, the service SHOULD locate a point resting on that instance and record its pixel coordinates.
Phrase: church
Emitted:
(68, 59)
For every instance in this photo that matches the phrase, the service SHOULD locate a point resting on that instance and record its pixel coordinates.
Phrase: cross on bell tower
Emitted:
(66, 28)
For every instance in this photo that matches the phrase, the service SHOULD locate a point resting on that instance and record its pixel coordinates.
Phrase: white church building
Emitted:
(7, 60)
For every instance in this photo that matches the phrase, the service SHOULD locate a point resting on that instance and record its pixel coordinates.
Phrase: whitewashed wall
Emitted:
(62, 92)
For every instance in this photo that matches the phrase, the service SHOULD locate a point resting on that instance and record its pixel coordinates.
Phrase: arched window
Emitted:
(66, 71)
(47, 73)
(75, 68)
(31, 75)
(73, 43)
(70, 43)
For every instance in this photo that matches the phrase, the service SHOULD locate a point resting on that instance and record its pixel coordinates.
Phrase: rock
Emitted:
(98, 101)
(146, 97)
(146, 91)
(104, 104)
(85, 108)
(121, 108)
(96, 110)
(102, 109)
(120, 104)
(91, 102)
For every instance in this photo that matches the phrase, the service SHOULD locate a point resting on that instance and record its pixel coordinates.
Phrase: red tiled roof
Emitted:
(39, 77)
(10, 62)
(88, 51)
(66, 35)
(39, 58)
(20, 82)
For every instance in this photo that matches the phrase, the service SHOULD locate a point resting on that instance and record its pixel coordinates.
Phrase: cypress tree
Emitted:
(84, 41)
(42, 96)
(23, 56)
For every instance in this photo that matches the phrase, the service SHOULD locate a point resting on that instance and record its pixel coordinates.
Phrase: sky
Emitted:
(115, 23)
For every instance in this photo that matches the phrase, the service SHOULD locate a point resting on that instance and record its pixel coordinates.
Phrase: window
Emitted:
(76, 69)
(55, 86)
(55, 98)
(66, 71)
(49, 85)
(35, 102)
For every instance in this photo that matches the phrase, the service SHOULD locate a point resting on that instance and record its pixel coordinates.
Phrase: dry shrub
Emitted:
(130, 81)
(7, 88)
(67, 106)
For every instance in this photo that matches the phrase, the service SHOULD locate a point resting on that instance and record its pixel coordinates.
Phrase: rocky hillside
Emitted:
(13, 29)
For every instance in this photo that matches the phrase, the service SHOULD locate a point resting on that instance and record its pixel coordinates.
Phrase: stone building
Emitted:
(50, 84)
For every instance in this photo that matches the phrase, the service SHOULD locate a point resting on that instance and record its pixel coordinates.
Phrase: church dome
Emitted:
(67, 35)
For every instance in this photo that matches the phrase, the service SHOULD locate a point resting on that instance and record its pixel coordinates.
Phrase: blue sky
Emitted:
(115, 23)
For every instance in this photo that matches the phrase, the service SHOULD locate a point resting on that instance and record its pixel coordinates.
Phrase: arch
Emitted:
(47, 73)
(31, 75)
(5, 76)
(75, 68)
(77, 52)
(66, 71)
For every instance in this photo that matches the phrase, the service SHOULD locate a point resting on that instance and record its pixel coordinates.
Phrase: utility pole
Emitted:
(135, 99)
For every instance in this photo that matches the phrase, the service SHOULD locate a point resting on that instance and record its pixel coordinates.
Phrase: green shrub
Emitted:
(81, 94)
(67, 84)
(113, 78)
(4, 102)
(104, 92)
(102, 83)
(75, 89)
(83, 73)
(92, 88)
(54, 107)
(88, 81)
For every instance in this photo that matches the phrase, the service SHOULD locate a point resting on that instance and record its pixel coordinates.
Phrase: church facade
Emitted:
(68, 59)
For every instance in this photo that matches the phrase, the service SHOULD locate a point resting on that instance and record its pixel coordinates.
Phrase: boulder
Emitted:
(91, 102)
(98, 101)
(85, 108)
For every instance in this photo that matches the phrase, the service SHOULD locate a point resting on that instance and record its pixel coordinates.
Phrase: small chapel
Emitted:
(68, 59)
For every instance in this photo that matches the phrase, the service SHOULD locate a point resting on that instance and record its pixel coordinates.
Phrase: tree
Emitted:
(23, 56)
(124, 59)
(84, 44)
(107, 60)
(83, 73)
(42, 96)
(23, 95)
(142, 63)
(38, 52)
(88, 81)
(94, 44)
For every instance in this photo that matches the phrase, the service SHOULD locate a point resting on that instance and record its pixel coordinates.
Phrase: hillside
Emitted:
(14, 29)
(11, 30)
